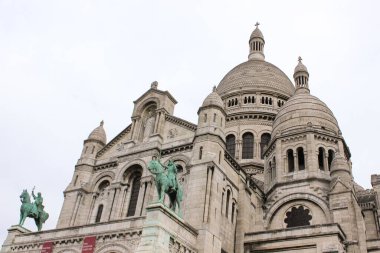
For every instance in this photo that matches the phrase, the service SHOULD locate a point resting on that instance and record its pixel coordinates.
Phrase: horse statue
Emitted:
(166, 182)
(32, 210)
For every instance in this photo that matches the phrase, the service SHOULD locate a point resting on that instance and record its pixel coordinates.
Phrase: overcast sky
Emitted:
(67, 65)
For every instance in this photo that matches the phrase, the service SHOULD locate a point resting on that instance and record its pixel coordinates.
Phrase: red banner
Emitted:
(47, 247)
(89, 244)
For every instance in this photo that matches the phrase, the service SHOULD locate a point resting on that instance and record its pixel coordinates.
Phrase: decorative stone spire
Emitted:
(256, 44)
(301, 77)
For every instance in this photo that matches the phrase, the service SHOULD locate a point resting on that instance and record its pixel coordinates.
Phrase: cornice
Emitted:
(180, 122)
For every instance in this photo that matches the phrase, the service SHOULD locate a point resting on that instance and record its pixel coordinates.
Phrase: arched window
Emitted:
(301, 158)
(231, 144)
(247, 146)
(134, 195)
(200, 153)
(330, 158)
(228, 202)
(93, 149)
(290, 157)
(274, 168)
(179, 169)
(245, 100)
(270, 172)
(99, 214)
(103, 185)
(265, 139)
(321, 158)
(233, 212)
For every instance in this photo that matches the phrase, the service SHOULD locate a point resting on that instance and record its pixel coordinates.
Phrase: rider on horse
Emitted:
(38, 207)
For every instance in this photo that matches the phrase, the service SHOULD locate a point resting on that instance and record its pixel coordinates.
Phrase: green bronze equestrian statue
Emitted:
(166, 182)
(33, 210)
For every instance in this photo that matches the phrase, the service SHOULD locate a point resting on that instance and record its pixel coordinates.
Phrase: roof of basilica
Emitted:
(256, 75)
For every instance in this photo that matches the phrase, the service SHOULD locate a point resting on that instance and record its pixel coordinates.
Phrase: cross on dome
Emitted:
(257, 24)
(299, 59)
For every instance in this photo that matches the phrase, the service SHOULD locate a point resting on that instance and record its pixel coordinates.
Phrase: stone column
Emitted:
(75, 211)
(89, 216)
(296, 167)
(123, 201)
(116, 204)
(210, 171)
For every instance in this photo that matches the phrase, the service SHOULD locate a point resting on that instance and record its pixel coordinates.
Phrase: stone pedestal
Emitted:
(164, 231)
(13, 231)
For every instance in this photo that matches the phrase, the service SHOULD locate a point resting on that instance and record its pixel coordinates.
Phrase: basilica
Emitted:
(265, 169)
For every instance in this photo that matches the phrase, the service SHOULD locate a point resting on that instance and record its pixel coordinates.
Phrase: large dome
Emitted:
(256, 75)
(302, 111)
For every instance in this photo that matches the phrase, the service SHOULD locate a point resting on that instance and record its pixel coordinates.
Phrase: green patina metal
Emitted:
(166, 182)
(33, 210)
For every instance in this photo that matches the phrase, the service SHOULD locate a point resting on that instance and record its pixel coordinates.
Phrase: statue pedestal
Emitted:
(164, 231)
(13, 231)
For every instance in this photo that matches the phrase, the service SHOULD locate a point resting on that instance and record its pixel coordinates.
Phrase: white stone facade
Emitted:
(265, 169)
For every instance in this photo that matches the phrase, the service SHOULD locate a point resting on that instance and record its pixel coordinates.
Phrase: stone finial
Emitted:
(102, 123)
(154, 85)
(214, 89)
(299, 59)
(257, 24)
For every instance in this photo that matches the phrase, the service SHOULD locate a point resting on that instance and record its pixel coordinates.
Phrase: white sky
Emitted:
(66, 65)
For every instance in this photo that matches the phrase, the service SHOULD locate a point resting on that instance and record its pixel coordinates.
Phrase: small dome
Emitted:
(98, 134)
(257, 33)
(213, 99)
(305, 111)
(300, 66)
